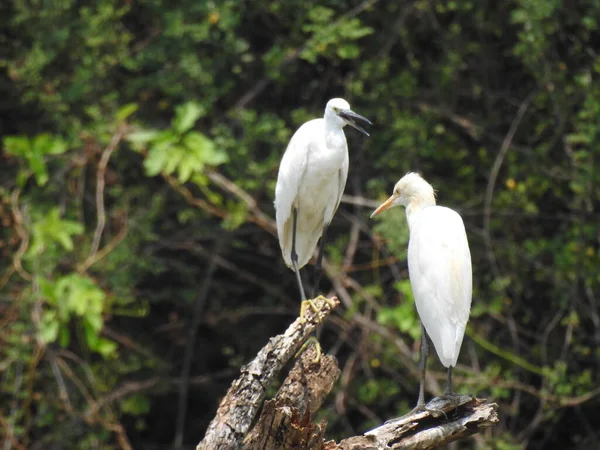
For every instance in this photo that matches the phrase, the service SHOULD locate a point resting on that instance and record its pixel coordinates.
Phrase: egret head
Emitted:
(411, 188)
(340, 109)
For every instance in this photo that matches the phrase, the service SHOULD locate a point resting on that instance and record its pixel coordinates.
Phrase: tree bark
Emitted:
(245, 396)
(286, 421)
(464, 416)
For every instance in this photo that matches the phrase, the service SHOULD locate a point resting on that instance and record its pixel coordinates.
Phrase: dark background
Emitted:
(140, 147)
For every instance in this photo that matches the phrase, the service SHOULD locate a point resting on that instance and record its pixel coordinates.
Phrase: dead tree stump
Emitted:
(286, 421)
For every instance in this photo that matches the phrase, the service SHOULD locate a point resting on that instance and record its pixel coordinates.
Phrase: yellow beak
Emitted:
(385, 205)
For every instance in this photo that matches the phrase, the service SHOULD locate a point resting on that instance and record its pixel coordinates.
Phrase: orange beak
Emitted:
(385, 205)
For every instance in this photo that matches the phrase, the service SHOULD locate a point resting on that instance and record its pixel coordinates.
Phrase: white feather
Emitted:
(439, 264)
(312, 176)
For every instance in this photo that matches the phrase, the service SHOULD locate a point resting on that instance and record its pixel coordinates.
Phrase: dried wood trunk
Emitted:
(286, 422)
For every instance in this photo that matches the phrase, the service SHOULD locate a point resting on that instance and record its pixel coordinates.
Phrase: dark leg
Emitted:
(436, 412)
(294, 255)
(318, 265)
(449, 384)
(424, 352)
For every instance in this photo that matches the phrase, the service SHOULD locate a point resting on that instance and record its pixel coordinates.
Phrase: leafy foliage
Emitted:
(137, 135)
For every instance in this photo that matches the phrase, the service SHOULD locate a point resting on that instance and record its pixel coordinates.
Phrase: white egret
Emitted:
(311, 180)
(439, 266)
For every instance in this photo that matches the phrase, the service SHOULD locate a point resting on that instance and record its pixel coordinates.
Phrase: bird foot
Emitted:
(450, 400)
(447, 402)
(435, 412)
(310, 303)
(318, 349)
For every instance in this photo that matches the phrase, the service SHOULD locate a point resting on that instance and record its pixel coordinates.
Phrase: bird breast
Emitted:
(320, 184)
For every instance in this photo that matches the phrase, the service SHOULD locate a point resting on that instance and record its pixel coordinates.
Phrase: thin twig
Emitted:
(24, 235)
(260, 218)
(191, 342)
(489, 192)
(100, 183)
(112, 244)
(8, 443)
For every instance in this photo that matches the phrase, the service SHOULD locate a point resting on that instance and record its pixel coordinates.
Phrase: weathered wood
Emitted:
(286, 421)
(245, 396)
(424, 430)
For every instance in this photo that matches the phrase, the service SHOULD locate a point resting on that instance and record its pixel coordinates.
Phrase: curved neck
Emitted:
(418, 203)
(334, 132)
(333, 123)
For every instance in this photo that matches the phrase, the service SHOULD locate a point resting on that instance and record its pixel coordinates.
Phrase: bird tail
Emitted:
(452, 337)
(306, 241)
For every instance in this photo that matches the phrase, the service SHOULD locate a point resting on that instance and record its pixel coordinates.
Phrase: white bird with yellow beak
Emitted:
(439, 265)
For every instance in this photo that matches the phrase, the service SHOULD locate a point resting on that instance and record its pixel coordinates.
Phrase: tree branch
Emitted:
(428, 430)
(286, 421)
(245, 396)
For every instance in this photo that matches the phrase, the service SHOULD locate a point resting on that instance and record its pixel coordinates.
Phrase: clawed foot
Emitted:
(318, 350)
(311, 304)
(449, 400)
(435, 412)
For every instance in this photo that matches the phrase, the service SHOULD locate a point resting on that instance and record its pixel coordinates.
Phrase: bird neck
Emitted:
(334, 132)
(333, 122)
(418, 203)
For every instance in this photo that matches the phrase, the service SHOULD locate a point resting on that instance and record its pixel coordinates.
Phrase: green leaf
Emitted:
(64, 337)
(348, 51)
(186, 169)
(126, 111)
(95, 321)
(156, 161)
(195, 140)
(208, 153)
(38, 166)
(47, 290)
(175, 155)
(105, 347)
(82, 296)
(136, 404)
(52, 229)
(47, 144)
(17, 145)
(49, 326)
(142, 136)
(22, 178)
(186, 116)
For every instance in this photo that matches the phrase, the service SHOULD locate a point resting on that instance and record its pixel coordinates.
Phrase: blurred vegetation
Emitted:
(140, 145)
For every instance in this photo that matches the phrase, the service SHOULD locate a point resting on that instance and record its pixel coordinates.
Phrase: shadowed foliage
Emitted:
(139, 269)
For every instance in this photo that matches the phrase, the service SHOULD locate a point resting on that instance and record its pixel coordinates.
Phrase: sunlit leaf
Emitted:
(53, 229)
(126, 111)
(156, 161)
(186, 116)
(142, 136)
(49, 326)
(17, 145)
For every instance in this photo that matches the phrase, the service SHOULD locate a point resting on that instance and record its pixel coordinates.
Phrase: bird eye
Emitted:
(336, 109)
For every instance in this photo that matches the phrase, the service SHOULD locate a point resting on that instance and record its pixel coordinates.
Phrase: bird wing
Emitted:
(342, 178)
(291, 172)
(439, 263)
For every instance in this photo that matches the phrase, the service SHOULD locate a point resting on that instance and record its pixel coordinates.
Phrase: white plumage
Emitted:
(439, 265)
(312, 176)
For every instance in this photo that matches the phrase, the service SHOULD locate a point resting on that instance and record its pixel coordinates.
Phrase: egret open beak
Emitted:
(385, 205)
(348, 115)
